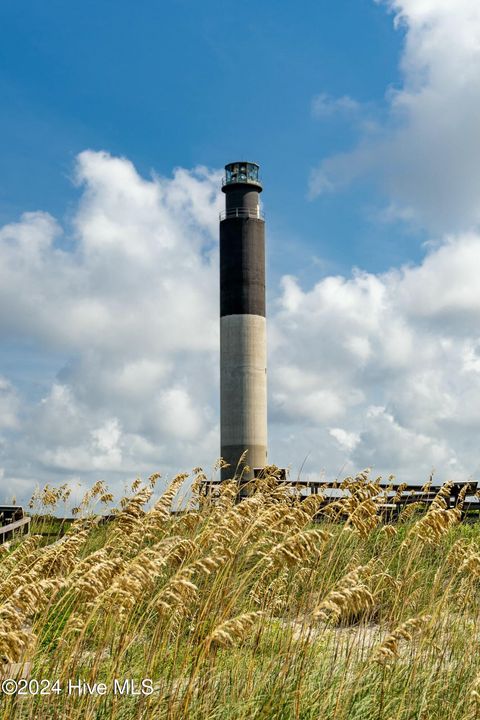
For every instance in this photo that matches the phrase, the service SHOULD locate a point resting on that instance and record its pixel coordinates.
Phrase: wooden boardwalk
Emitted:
(394, 495)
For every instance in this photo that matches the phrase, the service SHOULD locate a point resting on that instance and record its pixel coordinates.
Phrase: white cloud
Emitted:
(426, 157)
(390, 362)
(347, 440)
(367, 369)
(406, 341)
(324, 106)
(131, 299)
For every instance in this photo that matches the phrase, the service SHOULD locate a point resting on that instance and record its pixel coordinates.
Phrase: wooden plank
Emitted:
(15, 525)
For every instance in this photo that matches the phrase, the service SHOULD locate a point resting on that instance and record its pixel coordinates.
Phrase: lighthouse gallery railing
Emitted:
(242, 213)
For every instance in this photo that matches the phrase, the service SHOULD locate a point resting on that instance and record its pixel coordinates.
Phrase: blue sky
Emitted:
(116, 121)
(171, 84)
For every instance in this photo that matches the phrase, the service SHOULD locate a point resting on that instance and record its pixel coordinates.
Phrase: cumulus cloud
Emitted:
(346, 440)
(396, 356)
(379, 370)
(128, 296)
(387, 365)
(426, 157)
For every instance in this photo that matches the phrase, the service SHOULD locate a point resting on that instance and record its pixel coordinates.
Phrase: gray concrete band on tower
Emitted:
(243, 347)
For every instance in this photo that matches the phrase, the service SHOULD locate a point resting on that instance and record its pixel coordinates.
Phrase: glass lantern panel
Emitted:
(253, 173)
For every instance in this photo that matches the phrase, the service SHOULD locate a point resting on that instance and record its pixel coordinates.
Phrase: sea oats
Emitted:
(235, 630)
(350, 597)
(389, 648)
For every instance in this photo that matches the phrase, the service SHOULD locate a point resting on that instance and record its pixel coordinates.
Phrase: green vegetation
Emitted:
(244, 610)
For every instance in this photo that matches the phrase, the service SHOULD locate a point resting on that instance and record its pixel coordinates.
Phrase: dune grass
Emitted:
(244, 610)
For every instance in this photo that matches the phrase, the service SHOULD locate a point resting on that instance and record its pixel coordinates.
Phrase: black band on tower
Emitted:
(242, 266)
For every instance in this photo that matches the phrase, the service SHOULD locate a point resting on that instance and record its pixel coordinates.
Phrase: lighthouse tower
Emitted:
(243, 347)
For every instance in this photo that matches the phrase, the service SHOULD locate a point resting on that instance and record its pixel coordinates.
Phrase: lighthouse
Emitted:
(243, 343)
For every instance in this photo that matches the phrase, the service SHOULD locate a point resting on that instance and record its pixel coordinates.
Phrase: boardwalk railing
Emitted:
(395, 495)
(12, 521)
